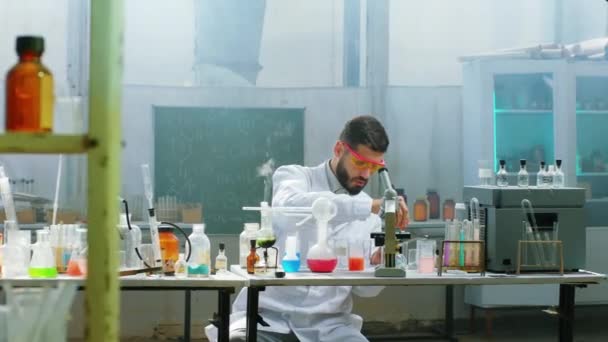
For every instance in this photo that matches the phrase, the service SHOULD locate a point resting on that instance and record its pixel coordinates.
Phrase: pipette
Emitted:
(7, 201)
(151, 216)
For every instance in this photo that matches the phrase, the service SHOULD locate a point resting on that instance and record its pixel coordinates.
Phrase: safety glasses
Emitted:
(362, 163)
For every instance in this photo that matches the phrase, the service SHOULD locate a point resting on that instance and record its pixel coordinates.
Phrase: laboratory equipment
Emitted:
(421, 209)
(249, 233)
(320, 257)
(433, 200)
(448, 209)
(540, 175)
(548, 176)
(181, 267)
(8, 203)
(502, 177)
(558, 177)
(485, 174)
(78, 258)
(291, 260)
(29, 89)
(425, 255)
(16, 251)
(502, 216)
(199, 263)
(151, 216)
(169, 246)
(42, 264)
(340, 247)
(356, 254)
(252, 258)
(390, 238)
(523, 179)
(221, 262)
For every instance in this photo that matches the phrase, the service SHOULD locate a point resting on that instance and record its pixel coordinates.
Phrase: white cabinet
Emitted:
(597, 243)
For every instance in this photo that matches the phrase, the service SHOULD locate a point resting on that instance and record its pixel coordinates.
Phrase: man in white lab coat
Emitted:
(322, 313)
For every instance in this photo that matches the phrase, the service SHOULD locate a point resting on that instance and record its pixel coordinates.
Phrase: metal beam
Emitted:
(105, 85)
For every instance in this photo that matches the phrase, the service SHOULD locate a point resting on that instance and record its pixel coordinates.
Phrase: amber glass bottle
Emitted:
(448, 209)
(29, 89)
(169, 249)
(421, 209)
(252, 258)
(433, 197)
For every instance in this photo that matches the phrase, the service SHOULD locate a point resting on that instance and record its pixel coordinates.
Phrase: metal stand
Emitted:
(253, 297)
(187, 314)
(566, 312)
(476, 265)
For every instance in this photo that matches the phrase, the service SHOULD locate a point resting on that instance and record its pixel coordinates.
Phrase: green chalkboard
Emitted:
(212, 155)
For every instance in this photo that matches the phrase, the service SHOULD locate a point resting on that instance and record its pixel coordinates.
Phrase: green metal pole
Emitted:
(102, 286)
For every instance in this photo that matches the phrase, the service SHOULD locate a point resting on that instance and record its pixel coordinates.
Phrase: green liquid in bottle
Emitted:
(43, 272)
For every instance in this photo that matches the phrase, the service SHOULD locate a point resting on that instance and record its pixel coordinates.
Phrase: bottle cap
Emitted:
(522, 162)
(252, 243)
(279, 274)
(198, 228)
(502, 162)
(542, 163)
(30, 43)
(222, 246)
(558, 162)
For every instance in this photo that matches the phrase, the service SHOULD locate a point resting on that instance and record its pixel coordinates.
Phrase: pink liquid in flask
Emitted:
(322, 265)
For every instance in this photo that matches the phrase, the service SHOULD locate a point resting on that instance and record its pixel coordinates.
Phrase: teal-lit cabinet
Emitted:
(590, 103)
(512, 110)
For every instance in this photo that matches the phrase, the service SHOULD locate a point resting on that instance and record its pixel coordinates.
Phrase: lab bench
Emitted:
(567, 282)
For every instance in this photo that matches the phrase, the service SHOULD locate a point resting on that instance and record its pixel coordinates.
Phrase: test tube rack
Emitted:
(463, 261)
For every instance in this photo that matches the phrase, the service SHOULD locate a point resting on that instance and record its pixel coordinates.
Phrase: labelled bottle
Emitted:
(29, 89)
(433, 199)
(502, 178)
(199, 264)
(249, 233)
(558, 177)
(221, 262)
(43, 261)
(523, 179)
(548, 176)
(252, 258)
(540, 175)
(169, 249)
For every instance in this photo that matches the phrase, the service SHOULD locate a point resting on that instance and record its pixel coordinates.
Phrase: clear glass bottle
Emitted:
(221, 262)
(502, 178)
(558, 177)
(548, 176)
(29, 89)
(249, 233)
(523, 179)
(181, 267)
(199, 264)
(540, 175)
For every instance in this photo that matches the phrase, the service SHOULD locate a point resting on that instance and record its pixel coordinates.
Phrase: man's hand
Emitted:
(403, 216)
(376, 205)
(376, 257)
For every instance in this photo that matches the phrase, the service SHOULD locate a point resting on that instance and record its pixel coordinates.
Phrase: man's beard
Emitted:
(345, 179)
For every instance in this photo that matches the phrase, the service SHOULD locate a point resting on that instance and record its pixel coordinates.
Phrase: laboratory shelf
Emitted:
(592, 112)
(43, 143)
(592, 174)
(523, 111)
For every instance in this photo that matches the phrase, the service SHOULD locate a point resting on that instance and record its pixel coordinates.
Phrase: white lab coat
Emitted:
(313, 313)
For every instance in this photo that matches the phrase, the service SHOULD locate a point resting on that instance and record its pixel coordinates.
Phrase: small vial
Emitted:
(181, 267)
(558, 177)
(540, 175)
(523, 179)
(221, 262)
(502, 175)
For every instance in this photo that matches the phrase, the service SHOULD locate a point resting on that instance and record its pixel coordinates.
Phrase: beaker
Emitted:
(340, 247)
(43, 262)
(425, 255)
(291, 260)
(486, 175)
(356, 255)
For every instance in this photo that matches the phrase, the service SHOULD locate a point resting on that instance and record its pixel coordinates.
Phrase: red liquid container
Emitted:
(322, 265)
(356, 264)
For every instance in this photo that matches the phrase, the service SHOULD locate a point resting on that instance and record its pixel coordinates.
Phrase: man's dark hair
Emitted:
(365, 130)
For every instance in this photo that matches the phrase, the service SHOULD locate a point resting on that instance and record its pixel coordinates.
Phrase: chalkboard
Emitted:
(212, 155)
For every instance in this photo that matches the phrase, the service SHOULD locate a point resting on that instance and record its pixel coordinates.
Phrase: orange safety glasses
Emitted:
(362, 163)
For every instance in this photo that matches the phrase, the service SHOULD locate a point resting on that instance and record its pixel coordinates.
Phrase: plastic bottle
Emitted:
(221, 262)
(43, 261)
(421, 209)
(29, 89)
(540, 175)
(523, 179)
(433, 198)
(199, 264)
(502, 178)
(558, 178)
(249, 233)
(181, 267)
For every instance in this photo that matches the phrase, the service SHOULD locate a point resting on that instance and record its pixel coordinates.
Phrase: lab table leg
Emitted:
(566, 312)
(224, 314)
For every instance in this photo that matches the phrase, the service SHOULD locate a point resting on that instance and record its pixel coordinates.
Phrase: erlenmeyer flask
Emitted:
(43, 262)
